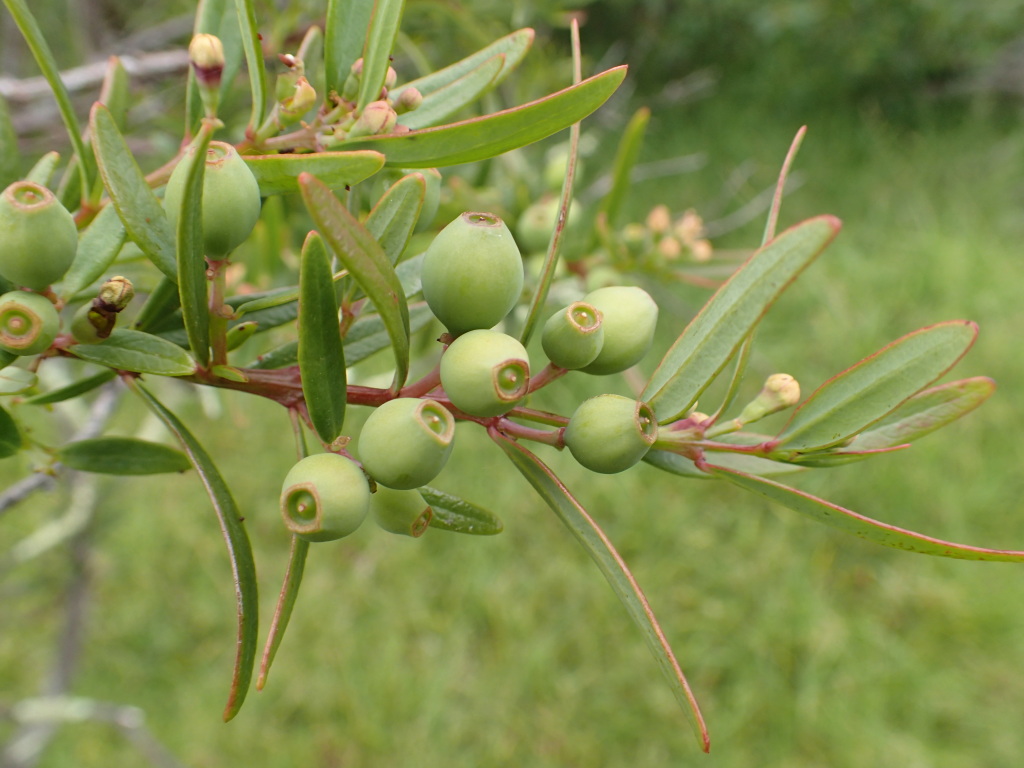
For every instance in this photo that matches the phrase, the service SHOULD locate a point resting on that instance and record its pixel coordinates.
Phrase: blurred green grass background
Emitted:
(805, 647)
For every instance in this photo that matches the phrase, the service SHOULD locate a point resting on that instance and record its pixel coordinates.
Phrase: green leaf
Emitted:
(10, 435)
(369, 334)
(482, 137)
(98, 246)
(625, 158)
(140, 211)
(713, 336)
(253, 61)
(279, 357)
(14, 380)
(128, 350)
(448, 100)
(239, 550)
(160, 307)
(861, 395)
(511, 48)
(859, 525)
(42, 171)
(279, 174)
(285, 604)
(344, 38)
(74, 389)
(321, 356)
(33, 35)
(614, 568)
(380, 41)
(675, 464)
(116, 91)
(6, 357)
(394, 217)
(122, 456)
(366, 262)
(192, 281)
(10, 155)
(452, 513)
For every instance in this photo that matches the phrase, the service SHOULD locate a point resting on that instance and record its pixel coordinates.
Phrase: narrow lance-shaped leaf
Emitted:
(279, 174)
(43, 169)
(859, 525)
(253, 60)
(321, 356)
(9, 155)
(482, 137)
(455, 514)
(861, 395)
(344, 38)
(380, 41)
(512, 48)
(614, 568)
(366, 262)
(675, 464)
(10, 435)
(448, 100)
(141, 213)
(394, 217)
(192, 282)
(713, 336)
(285, 604)
(122, 456)
(98, 246)
(128, 350)
(74, 389)
(14, 380)
(239, 550)
(625, 158)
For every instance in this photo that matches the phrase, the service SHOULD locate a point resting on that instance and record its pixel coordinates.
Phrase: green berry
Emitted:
(573, 336)
(610, 433)
(472, 273)
(537, 223)
(39, 237)
(324, 497)
(485, 373)
(231, 199)
(630, 316)
(90, 325)
(402, 512)
(406, 442)
(28, 323)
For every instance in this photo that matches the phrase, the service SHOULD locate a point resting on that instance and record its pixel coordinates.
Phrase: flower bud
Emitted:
(659, 219)
(116, 293)
(390, 78)
(206, 54)
(630, 317)
(611, 433)
(406, 442)
(350, 89)
(401, 512)
(324, 497)
(239, 334)
(573, 336)
(485, 373)
(28, 323)
(408, 100)
(299, 102)
(231, 199)
(472, 273)
(38, 237)
(378, 117)
(780, 391)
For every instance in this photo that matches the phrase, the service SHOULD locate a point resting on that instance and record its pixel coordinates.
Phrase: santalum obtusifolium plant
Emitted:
(365, 284)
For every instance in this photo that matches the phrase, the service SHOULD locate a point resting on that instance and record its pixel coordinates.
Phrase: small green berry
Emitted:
(324, 497)
(406, 442)
(630, 317)
(485, 373)
(402, 512)
(610, 433)
(472, 273)
(573, 336)
(28, 323)
(39, 238)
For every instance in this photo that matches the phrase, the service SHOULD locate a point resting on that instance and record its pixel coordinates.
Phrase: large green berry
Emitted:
(324, 497)
(573, 336)
(403, 512)
(28, 323)
(472, 273)
(406, 441)
(231, 199)
(611, 433)
(485, 373)
(38, 237)
(630, 316)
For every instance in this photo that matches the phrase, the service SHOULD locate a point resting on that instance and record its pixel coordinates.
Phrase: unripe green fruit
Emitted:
(402, 512)
(610, 433)
(406, 442)
(231, 199)
(38, 237)
(472, 273)
(324, 497)
(537, 223)
(573, 336)
(630, 316)
(91, 326)
(485, 373)
(28, 323)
